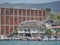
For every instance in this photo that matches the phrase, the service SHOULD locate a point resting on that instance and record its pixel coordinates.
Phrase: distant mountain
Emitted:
(55, 6)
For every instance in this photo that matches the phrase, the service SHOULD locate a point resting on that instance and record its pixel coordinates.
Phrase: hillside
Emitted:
(55, 6)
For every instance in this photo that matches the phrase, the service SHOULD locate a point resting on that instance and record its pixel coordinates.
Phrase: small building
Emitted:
(54, 25)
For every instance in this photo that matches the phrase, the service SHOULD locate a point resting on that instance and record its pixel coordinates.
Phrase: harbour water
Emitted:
(29, 42)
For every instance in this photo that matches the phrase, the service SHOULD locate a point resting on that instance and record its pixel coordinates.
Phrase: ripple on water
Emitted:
(29, 42)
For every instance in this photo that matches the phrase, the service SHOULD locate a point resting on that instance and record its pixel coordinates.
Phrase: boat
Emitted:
(1, 37)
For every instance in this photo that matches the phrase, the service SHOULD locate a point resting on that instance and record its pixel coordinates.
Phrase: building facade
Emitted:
(10, 18)
(54, 25)
(31, 28)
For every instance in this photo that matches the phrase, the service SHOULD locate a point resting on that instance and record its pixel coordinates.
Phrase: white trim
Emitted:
(0, 21)
(17, 17)
(38, 15)
(34, 14)
(30, 14)
(9, 22)
(22, 15)
(4, 22)
(10, 15)
(9, 25)
(13, 20)
(9, 12)
(42, 15)
(26, 14)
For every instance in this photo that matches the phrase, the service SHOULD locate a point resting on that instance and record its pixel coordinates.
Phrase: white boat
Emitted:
(1, 37)
(58, 38)
(52, 38)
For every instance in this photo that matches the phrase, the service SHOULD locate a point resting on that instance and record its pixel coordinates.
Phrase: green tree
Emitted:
(15, 32)
(54, 16)
(48, 32)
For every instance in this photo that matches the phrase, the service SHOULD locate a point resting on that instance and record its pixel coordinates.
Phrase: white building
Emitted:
(54, 25)
(31, 28)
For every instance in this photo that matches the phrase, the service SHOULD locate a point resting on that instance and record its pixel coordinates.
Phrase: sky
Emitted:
(27, 1)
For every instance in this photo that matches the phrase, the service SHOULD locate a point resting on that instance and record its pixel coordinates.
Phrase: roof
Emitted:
(55, 27)
(56, 23)
(53, 22)
(32, 24)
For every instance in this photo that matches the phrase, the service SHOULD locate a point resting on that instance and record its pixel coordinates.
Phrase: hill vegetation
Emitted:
(55, 16)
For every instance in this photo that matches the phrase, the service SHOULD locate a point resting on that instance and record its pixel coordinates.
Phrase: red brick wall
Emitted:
(15, 18)
(2, 19)
(2, 29)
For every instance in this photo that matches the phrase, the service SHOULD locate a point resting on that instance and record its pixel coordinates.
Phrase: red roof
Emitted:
(55, 27)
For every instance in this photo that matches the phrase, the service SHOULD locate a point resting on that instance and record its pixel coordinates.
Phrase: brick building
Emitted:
(10, 18)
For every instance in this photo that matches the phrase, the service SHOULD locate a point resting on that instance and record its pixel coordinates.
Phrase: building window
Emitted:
(36, 13)
(24, 12)
(25, 30)
(32, 12)
(15, 12)
(28, 12)
(28, 30)
(15, 20)
(20, 29)
(40, 19)
(15, 27)
(7, 30)
(24, 18)
(33, 29)
(44, 13)
(40, 13)
(2, 11)
(11, 11)
(20, 12)
(7, 20)
(32, 18)
(20, 34)
(7, 11)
